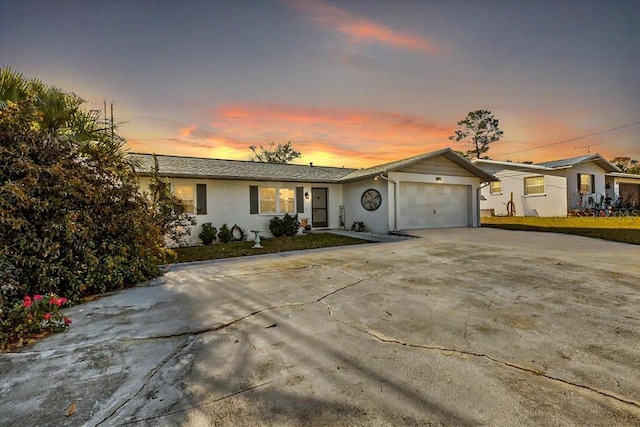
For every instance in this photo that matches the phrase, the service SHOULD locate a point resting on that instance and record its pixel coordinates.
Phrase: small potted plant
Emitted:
(304, 223)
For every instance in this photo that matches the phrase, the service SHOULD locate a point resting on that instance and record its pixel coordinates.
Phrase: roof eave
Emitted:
(237, 178)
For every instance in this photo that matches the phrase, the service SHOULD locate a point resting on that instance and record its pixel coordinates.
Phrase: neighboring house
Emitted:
(624, 188)
(433, 190)
(555, 188)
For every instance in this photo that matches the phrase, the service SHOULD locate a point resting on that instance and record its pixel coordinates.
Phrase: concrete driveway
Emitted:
(460, 327)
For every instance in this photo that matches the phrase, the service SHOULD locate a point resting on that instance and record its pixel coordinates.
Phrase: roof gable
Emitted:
(397, 165)
(574, 161)
(554, 164)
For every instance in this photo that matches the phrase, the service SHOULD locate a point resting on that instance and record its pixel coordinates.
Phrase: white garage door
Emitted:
(422, 205)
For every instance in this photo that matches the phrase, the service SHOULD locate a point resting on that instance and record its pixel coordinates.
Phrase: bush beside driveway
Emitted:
(463, 326)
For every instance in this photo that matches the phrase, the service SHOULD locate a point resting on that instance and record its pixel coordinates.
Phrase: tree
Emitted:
(626, 164)
(283, 152)
(72, 217)
(479, 130)
(168, 210)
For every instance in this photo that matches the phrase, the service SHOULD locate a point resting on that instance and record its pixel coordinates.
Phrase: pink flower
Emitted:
(54, 301)
(47, 316)
(37, 297)
(27, 301)
(67, 320)
(61, 301)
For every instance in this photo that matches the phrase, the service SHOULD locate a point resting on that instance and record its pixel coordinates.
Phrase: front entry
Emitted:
(319, 213)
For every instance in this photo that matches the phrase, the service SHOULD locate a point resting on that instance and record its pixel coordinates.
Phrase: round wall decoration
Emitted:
(371, 199)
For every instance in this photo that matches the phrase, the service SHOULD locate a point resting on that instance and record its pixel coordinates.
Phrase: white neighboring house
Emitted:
(557, 187)
(432, 190)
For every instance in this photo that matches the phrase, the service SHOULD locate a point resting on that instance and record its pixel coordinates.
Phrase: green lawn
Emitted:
(625, 229)
(273, 245)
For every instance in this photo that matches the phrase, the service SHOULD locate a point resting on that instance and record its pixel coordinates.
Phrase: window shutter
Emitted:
(593, 183)
(300, 199)
(201, 199)
(579, 184)
(253, 199)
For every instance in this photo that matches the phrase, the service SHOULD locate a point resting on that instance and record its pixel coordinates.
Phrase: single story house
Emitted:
(557, 187)
(437, 189)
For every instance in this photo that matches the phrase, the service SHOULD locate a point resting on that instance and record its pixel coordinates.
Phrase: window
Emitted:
(585, 182)
(495, 187)
(277, 200)
(186, 193)
(534, 185)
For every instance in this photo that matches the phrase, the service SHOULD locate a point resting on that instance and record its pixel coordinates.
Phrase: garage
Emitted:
(630, 194)
(427, 205)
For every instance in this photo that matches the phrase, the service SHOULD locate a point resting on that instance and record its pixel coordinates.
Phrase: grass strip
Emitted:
(624, 230)
(269, 246)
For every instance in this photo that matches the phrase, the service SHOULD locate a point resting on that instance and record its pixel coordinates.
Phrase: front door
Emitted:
(319, 214)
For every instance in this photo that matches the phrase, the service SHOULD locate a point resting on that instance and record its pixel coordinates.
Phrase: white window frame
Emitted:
(528, 192)
(193, 189)
(495, 188)
(278, 199)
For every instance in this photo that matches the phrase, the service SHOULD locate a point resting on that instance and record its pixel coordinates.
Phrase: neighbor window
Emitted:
(277, 200)
(585, 184)
(186, 193)
(534, 185)
(495, 187)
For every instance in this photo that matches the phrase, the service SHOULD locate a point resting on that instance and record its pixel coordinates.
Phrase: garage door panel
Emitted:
(422, 205)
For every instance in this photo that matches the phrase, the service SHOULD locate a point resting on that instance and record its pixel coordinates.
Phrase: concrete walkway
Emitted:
(371, 237)
(462, 327)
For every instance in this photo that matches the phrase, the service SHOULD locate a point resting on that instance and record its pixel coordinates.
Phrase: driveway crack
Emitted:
(145, 380)
(390, 340)
(208, 402)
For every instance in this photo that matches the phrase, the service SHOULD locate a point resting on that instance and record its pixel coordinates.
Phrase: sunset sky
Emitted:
(350, 83)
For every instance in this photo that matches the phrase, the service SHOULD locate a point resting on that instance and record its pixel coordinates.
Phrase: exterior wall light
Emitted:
(306, 195)
(438, 179)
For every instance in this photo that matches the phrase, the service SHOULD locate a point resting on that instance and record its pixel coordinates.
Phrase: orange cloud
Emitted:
(361, 30)
(364, 137)
(325, 136)
(186, 131)
(359, 138)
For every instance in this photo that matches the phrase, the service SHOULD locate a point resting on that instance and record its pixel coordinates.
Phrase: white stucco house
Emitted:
(432, 190)
(557, 187)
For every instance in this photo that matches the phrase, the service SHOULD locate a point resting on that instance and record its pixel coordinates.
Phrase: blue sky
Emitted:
(351, 83)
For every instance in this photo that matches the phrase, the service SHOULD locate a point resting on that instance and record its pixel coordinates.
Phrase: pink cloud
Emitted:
(326, 136)
(186, 131)
(361, 30)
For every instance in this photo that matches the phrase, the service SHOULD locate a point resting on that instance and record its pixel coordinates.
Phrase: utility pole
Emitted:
(112, 127)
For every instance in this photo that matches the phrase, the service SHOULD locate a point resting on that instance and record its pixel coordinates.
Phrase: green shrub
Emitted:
(224, 234)
(208, 233)
(73, 220)
(284, 226)
(31, 318)
(168, 210)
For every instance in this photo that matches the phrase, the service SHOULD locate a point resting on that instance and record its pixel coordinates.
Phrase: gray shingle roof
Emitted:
(573, 161)
(194, 167)
(556, 164)
(448, 153)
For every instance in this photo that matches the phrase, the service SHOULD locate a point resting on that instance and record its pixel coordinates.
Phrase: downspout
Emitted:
(395, 200)
(479, 195)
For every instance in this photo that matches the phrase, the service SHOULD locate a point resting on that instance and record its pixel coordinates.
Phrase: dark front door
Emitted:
(319, 216)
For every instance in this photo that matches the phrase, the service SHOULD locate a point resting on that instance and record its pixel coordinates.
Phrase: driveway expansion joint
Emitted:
(634, 406)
